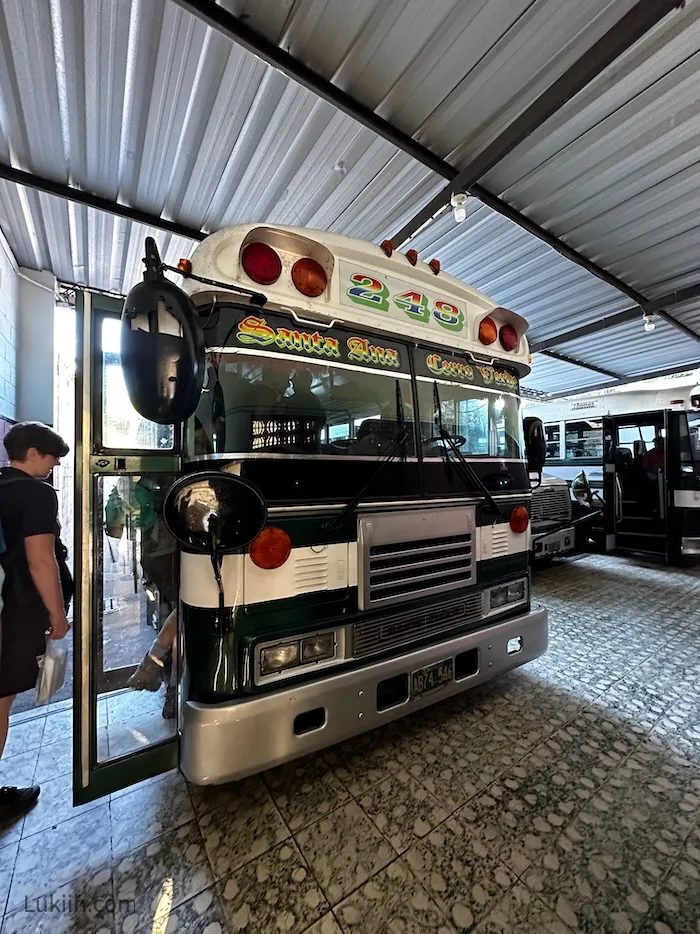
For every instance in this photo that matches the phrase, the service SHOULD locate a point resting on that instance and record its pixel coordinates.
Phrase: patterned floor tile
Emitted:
(54, 857)
(326, 925)
(393, 900)
(55, 805)
(83, 906)
(23, 737)
(364, 762)
(202, 914)
(344, 849)
(275, 892)
(154, 880)
(241, 830)
(402, 809)
(54, 760)
(459, 873)
(305, 790)
(521, 912)
(8, 857)
(19, 769)
(149, 812)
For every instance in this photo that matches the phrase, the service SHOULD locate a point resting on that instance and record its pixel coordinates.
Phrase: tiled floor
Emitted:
(564, 797)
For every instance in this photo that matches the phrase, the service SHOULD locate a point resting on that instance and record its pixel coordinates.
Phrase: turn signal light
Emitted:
(309, 277)
(261, 263)
(270, 549)
(519, 519)
(488, 332)
(185, 266)
(509, 337)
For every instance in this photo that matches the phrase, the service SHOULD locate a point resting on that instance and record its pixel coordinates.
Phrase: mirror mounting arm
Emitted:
(256, 298)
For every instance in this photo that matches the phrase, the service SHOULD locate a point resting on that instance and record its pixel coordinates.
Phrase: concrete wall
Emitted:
(9, 298)
(35, 346)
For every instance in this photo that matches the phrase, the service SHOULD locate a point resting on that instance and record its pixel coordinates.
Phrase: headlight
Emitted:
(317, 648)
(516, 592)
(279, 657)
(499, 597)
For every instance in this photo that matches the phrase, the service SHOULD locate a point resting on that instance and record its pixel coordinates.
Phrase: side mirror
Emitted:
(162, 347)
(213, 513)
(535, 444)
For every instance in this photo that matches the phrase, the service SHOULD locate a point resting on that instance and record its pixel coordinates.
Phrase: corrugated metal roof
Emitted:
(137, 100)
(631, 351)
(558, 376)
(616, 172)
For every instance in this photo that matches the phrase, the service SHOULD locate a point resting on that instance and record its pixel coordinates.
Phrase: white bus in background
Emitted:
(574, 425)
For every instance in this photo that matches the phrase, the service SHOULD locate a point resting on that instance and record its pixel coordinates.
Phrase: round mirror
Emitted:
(214, 513)
(535, 444)
(162, 351)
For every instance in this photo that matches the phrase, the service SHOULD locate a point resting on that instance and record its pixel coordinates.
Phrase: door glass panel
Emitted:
(135, 593)
(122, 426)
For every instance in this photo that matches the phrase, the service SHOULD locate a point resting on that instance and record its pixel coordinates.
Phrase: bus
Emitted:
(638, 454)
(574, 426)
(329, 433)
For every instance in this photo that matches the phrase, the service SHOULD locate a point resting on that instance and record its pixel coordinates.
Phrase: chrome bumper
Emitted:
(223, 742)
(556, 543)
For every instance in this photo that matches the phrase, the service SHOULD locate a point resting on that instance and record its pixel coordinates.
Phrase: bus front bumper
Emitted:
(560, 542)
(225, 742)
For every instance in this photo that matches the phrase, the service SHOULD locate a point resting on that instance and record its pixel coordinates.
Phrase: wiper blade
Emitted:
(464, 469)
(398, 445)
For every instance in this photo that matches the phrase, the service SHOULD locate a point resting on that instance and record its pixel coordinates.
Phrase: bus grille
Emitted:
(415, 554)
(551, 504)
(372, 636)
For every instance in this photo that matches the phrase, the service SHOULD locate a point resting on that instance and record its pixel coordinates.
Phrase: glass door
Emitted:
(126, 658)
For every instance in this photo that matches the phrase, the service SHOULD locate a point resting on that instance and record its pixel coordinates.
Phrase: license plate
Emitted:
(431, 678)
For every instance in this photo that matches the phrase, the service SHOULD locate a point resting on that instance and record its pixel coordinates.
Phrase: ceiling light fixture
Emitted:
(459, 206)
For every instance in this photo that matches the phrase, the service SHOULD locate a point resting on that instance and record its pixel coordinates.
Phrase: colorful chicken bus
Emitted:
(340, 458)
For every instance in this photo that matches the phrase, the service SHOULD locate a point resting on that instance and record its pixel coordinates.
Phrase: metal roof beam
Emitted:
(612, 321)
(642, 17)
(586, 366)
(623, 381)
(61, 190)
(679, 297)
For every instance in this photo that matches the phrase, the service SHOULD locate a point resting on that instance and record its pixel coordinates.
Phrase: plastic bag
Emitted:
(52, 670)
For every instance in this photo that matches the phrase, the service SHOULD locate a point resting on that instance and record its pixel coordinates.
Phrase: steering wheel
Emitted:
(459, 440)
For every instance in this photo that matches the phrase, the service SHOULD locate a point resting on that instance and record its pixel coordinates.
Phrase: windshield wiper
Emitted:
(397, 446)
(463, 468)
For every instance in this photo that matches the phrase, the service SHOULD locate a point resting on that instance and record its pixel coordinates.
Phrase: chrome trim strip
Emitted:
(392, 504)
(690, 546)
(242, 456)
(224, 742)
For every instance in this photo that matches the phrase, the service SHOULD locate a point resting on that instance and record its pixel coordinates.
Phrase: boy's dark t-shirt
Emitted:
(27, 507)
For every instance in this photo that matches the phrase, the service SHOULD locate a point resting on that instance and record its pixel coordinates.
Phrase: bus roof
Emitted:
(364, 287)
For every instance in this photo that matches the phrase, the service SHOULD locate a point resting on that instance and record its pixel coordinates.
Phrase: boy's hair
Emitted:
(25, 435)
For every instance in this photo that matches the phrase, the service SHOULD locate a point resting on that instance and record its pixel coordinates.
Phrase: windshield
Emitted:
(276, 389)
(258, 403)
(485, 423)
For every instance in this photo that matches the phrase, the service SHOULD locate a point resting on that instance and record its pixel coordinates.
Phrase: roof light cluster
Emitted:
(263, 265)
(489, 333)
